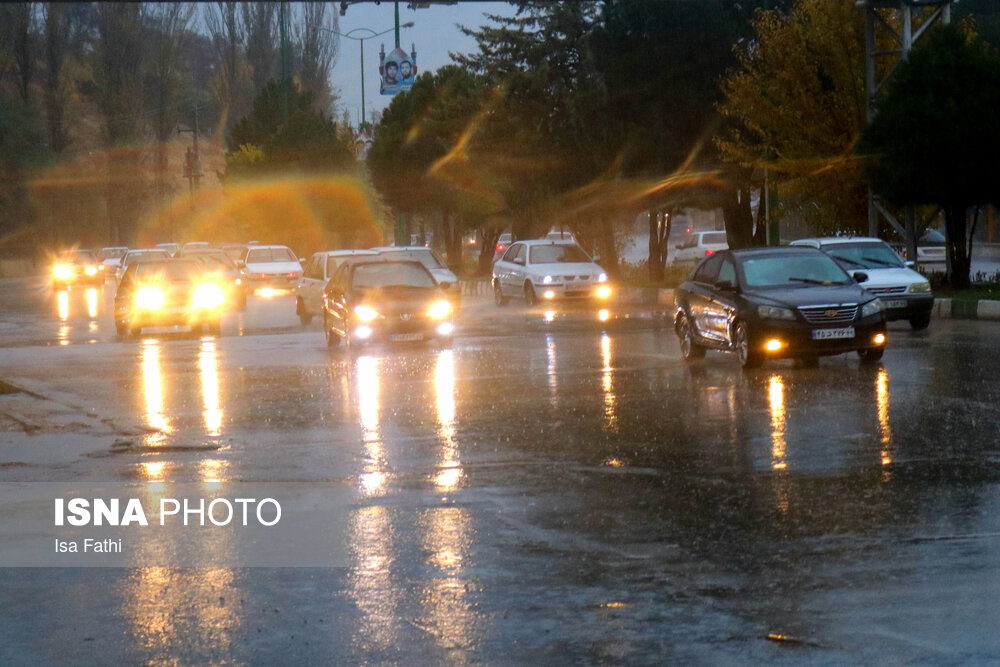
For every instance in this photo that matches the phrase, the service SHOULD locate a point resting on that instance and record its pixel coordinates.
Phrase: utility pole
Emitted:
(284, 63)
(192, 160)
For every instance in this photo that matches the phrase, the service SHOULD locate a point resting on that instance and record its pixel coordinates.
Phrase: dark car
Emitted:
(228, 273)
(77, 266)
(168, 292)
(385, 301)
(777, 303)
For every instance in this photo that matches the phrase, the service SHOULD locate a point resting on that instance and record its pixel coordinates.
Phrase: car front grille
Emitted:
(834, 314)
(897, 289)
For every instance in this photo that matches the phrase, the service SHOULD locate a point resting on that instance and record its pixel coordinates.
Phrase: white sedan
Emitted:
(544, 270)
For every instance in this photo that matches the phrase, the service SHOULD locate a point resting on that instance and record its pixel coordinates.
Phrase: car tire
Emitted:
(121, 328)
(871, 355)
(332, 339)
(529, 294)
(746, 355)
(300, 309)
(690, 350)
(920, 322)
(498, 296)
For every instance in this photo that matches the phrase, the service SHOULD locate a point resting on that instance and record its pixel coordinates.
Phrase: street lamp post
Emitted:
(371, 33)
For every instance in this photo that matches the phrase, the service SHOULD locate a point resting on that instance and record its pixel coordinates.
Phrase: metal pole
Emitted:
(197, 159)
(397, 23)
(362, 124)
(284, 70)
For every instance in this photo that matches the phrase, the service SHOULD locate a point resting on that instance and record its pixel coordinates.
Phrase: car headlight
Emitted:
(150, 298)
(439, 310)
(61, 271)
(603, 292)
(602, 278)
(547, 280)
(365, 313)
(872, 307)
(91, 270)
(208, 296)
(918, 288)
(775, 313)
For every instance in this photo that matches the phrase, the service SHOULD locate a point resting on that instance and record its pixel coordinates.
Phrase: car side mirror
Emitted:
(910, 263)
(241, 264)
(519, 261)
(445, 285)
(725, 285)
(596, 257)
(302, 260)
(860, 276)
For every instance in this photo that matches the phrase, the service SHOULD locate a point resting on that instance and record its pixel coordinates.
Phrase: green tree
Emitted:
(936, 136)
(796, 106)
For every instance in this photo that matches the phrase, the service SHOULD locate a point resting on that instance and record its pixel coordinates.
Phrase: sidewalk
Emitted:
(663, 298)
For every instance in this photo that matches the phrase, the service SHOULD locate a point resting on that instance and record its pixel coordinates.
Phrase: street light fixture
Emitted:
(371, 33)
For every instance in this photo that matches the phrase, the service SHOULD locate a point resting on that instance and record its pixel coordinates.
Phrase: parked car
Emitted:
(548, 270)
(502, 244)
(700, 245)
(932, 253)
(168, 292)
(236, 251)
(432, 261)
(560, 235)
(273, 266)
(316, 274)
(137, 255)
(777, 303)
(77, 266)
(227, 272)
(388, 301)
(111, 258)
(905, 293)
(196, 245)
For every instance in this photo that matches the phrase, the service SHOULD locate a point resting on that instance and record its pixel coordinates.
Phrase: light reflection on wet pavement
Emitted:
(573, 494)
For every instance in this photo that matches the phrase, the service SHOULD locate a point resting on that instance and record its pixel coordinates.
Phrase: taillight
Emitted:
(708, 252)
(687, 231)
(500, 247)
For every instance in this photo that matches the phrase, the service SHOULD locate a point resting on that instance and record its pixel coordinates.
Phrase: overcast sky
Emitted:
(434, 33)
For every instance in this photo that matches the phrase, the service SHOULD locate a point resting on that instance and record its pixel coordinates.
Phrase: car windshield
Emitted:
(425, 256)
(391, 274)
(557, 253)
(170, 271)
(792, 270)
(714, 237)
(215, 260)
(113, 253)
(136, 257)
(864, 255)
(80, 257)
(266, 255)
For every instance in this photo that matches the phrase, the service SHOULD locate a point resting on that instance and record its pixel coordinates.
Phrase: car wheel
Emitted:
(529, 294)
(871, 355)
(304, 316)
(744, 351)
(121, 328)
(690, 350)
(920, 322)
(332, 339)
(498, 296)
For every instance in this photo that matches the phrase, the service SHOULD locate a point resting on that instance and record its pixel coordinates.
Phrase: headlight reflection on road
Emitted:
(373, 588)
(153, 390)
(373, 479)
(62, 303)
(550, 354)
(882, 405)
(448, 537)
(92, 302)
(208, 364)
(776, 394)
(450, 472)
(607, 384)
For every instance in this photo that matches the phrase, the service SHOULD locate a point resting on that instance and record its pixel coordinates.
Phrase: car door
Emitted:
(505, 265)
(701, 297)
(721, 309)
(335, 296)
(517, 272)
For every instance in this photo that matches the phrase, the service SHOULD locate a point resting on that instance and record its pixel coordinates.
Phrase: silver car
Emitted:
(545, 270)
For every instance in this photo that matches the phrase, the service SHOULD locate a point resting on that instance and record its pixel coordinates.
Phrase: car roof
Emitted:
(832, 240)
(764, 251)
(534, 242)
(115, 247)
(345, 253)
(392, 248)
(258, 247)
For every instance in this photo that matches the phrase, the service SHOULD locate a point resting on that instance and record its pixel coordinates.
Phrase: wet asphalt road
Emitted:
(544, 492)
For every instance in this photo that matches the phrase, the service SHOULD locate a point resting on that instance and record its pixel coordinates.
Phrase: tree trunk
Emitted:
(660, 222)
(488, 237)
(958, 250)
(760, 228)
(609, 253)
(738, 216)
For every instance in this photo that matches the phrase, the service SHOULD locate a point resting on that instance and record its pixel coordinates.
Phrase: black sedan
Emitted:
(168, 292)
(777, 303)
(387, 302)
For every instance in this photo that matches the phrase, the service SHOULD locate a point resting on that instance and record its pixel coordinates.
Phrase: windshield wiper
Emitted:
(811, 281)
(848, 259)
(876, 260)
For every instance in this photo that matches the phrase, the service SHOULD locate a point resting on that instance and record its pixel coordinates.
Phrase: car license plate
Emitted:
(406, 337)
(829, 334)
(894, 303)
(577, 287)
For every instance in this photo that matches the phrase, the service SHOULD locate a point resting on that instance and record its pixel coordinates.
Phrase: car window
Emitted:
(173, 271)
(217, 262)
(689, 242)
(391, 274)
(521, 254)
(332, 264)
(113, 253)
(708, 271)
(713, 237)
(264, 255)
(864, 255)
(557, 253)
(511, 253)
(793, 271)
(727, 271)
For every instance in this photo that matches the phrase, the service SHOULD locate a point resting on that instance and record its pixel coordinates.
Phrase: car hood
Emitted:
(893, 276)
(274, 267)
(814, 295)
(444, 276)
(567, 269)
